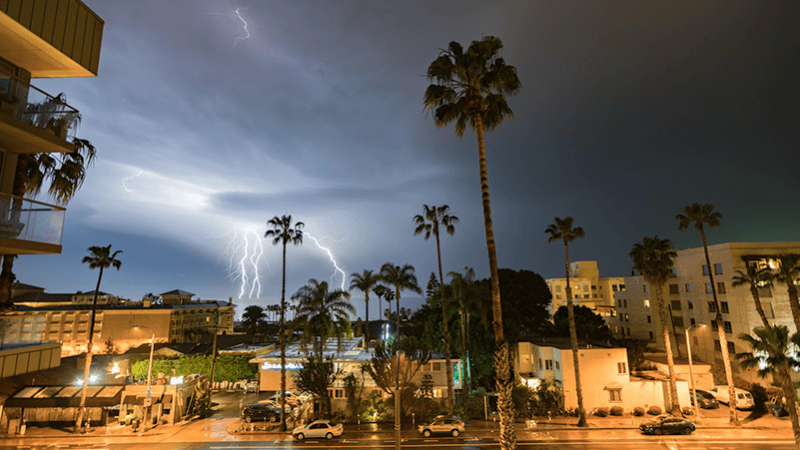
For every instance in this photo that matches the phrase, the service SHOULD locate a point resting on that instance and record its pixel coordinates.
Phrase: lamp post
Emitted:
(691, 372)
(397, 393)
(149, 368)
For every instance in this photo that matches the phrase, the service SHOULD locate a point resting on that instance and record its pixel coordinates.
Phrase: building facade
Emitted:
(588, 289)
(689, 301)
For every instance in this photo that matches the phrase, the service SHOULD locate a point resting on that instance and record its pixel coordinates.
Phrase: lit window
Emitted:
(646, 303)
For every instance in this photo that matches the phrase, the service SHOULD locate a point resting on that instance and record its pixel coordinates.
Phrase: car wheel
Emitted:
(248, 419)
(455, 433)
(657, 431)
(687, 430)
(300, 436)
(329, 436)
(426, 433)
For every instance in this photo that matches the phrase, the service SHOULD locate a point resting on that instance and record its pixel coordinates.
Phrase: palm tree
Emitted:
(754, 278)
(562, 230)
(459, 283)
(429, 222)
(99, 258)
(381, 291)
(699, 215)
(64, 171)
(364, 282)
(322, 313)
(283, 233)
(788, 272)
(470, 88)
(654, 258)
(401, 278)
(253, 317)
(774, 354)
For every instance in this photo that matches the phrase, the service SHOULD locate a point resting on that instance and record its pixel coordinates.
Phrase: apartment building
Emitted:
(588, 288)
(689, 301)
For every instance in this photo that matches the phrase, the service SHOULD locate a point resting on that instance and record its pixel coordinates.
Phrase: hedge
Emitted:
(227, 368)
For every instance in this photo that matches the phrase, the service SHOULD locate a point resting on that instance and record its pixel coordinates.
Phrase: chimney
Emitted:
(146, 303)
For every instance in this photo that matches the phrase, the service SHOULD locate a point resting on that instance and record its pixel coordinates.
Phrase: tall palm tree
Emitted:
(402, 279)
(788, 272)
(282, 232)
(64, 171)
(253, 317)
(654, 259)
(774, 354)
(470, 88)
(364, 282)
(99, 258)
(562, 230)
(700, 215)
(428, 223)
(322, 313)
(754, 278)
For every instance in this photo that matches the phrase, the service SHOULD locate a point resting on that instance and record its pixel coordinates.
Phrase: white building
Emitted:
(588, 289)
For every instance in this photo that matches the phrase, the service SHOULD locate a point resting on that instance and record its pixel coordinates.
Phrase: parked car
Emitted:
(251, 386)
(744, 400)
(274, 405)
(318, 429)
(268, 412)
(667, 424)
(451, 425)
(705, 400)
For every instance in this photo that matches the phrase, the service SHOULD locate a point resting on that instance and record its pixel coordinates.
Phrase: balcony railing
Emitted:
(33, 106)
(30, 220)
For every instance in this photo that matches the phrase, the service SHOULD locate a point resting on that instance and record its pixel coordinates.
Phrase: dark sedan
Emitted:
(666, 424)
(706, 400)
(261, 411)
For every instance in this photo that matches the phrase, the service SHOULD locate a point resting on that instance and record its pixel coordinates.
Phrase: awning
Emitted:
(64, 397)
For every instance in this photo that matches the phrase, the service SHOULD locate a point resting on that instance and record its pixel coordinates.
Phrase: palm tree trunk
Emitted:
(675, 407)
(445, 317)
(723, 340)
(397, 310)
(508, 437)
(759, 307)
(88, 365)
(785, 380)
(573, 340)
(794, 304)
(366, 305)
(283, 341)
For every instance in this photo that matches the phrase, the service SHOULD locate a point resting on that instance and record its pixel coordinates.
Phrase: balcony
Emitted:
(33, 121)
(29, 227)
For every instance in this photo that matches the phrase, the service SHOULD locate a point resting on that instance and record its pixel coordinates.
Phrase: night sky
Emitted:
(630, 111)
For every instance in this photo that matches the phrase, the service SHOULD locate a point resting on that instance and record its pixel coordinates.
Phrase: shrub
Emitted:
(601, 412)
(638, 411)
(654, 410)
(617, 410)
(687, 411)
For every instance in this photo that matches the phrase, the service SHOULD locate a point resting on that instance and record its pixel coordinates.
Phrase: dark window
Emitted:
(676, 305)
(724, 307)
(625, 302)
(712, 307)
(689, 305)
(621, 287)
(731, 348)
(728, 327)
(708, 288)
(717, 269)
(691, 320)
(614, 287)
(714, 325)
(673, 289)
(649, 319)
(651, 335)
(717, 347)
(688, 287)
(677, 321)
(705, 269)
(720, 287)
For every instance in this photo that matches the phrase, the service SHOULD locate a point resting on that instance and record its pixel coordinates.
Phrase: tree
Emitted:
(315, 377)
(654, 258)
(774, 354)
(401, 278)
(459, 284)
(469, 88)
(283, 233)
(253, 317)
(754, 278)
(383, 367)
(700, 215)
(589, 326)
(382, 291)
(788, 273)
(432, 219)
(562, 230)
(364, 283)
(64, 171)
(322, 314)
(99, 258)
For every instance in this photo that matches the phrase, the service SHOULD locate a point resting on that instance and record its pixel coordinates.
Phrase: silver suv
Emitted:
(453, 426)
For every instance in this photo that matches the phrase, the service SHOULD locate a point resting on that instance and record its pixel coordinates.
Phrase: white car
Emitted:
(318, 429)
(451, 425)
(744, 400)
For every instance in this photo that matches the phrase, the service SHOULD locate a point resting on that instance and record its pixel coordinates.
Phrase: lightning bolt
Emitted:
(236, 15)
(330, 255)
(245, 253)
(126, 179)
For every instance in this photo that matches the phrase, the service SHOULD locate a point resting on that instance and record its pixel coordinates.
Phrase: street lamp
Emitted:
(149, 366)
(691, 374)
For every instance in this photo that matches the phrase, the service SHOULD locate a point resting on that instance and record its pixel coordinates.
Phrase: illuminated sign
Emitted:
(277, 366)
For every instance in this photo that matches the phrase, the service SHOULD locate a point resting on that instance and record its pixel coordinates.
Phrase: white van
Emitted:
(744, 400)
